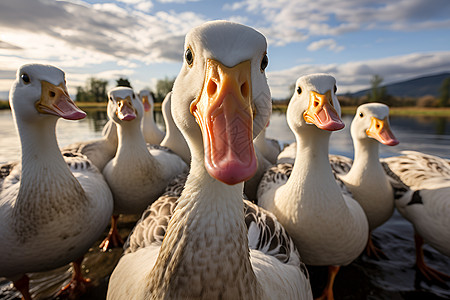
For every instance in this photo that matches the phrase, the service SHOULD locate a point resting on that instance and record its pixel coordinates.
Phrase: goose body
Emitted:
(205, 252)
(427, 206)
(328, 226)
(152, 134)
(366, 179)
(52, 207)
(136, 175)
(269, 148)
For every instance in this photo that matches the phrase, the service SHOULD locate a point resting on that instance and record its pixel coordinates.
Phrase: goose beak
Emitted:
(321, 112)
(380, 130)
(146, 103)
(125, 110)
(55, 100)
(225, 115)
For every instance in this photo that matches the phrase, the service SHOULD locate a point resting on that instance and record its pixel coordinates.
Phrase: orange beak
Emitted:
(125, 110)
(55, 100)
(380, 130)
(146, 103)
(321, 112)
(225, 115)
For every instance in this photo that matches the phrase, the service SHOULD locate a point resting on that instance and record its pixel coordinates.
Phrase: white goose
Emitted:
(366, 179)
(136, 175)
(52, 208)
(152, 134)
(99, 151)
(205, 252)
(174, 139)
(328, 227)
(428, 208)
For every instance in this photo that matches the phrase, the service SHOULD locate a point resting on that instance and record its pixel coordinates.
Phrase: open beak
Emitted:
(321, 112)
(55, 100)
(380, 130)
(146, 103)
(224, 113)
(125, 110)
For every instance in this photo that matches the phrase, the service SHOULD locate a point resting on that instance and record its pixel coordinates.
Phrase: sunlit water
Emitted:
(365, 278)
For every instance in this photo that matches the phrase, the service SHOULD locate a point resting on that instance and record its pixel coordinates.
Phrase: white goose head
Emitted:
(371, 121)
(221, 96)
(41, 91)
(314, 103)
(124, 105)
(147, 100)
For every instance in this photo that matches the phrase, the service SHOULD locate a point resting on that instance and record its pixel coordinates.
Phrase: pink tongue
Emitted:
(329, 120)
(388, 138)
(231, 157)
(68, 110)
(126, 113)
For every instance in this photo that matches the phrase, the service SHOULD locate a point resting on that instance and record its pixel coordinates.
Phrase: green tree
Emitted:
(377, 92)
(123, 82)
(94, 91)
(445, 93)
(163, 86)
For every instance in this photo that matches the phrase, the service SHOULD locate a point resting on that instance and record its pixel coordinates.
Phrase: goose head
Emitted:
(371, 121)
(221, 99)
(124, 105)
(41, 91)
(147, 100)
(314, 104)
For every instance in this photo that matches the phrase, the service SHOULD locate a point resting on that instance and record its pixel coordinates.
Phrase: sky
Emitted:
(142, 40)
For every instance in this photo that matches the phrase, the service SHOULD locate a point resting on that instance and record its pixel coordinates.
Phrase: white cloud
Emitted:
(355, 76)
(330, 44)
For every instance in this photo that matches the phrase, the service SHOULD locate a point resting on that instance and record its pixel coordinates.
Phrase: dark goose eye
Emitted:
(299, 90)
(335, 89)
(361, 115)
(264, 62)
(25, 78)
(189, 56)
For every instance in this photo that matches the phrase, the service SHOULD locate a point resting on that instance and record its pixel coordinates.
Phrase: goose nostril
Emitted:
(52, 94)
(212, 87)
(245, 89)
(316, 103)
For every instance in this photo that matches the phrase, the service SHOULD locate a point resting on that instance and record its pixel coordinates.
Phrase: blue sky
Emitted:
(143, 40)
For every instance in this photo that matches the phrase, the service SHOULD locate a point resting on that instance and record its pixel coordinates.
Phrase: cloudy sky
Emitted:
(142, 40)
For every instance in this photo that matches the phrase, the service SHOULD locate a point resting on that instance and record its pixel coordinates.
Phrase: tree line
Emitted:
(95, 90)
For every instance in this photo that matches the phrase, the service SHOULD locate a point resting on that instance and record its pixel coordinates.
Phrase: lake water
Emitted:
(391, 278)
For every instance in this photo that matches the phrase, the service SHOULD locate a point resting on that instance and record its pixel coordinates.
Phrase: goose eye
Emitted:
(361, 115)
(25, 78)
(189, 56)
(335, 89)
(264, 62)
(110, 98)
(299, 90)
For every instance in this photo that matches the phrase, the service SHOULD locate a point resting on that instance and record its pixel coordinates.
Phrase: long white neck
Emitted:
(174, 139)
(205, 252)
(366, 164)
(312, 169)
(131, 140)
(44, 171)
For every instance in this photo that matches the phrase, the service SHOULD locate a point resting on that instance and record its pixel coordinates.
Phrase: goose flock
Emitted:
(225, 214)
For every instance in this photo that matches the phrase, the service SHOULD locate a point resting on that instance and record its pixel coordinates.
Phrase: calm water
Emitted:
(393, 278)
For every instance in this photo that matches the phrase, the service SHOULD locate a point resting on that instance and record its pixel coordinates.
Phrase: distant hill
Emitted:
(416, 88)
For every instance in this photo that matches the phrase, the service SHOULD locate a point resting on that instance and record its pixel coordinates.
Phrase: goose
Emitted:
(365, 177)
(52, 207)
(173, 139)
(328, 226)
(269, 148)
(427, 206)
(136, 175)
(99, 151)
(152, 134)
(205, 252)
